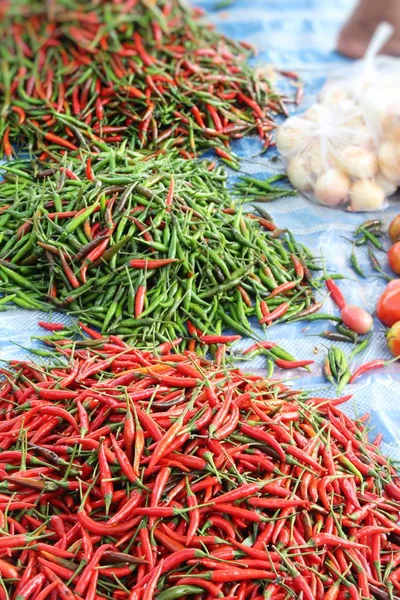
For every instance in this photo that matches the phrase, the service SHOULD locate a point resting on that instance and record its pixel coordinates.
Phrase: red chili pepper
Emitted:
(197, 115)
(298, 267)
(259, 434)
(106, 484)
(20, 112)
(104, 529)
(6, 144)
(215, 118)
(292, 364)
(303, 457)
(47, 591)
(159, 484)
(51, 326)
(139, 300)
(265, 344)
(336, 294)
(88, 169)
(123, 460)
(236, 575)
(218, 339)
(194, 515)
(277, 502)
(147, 60)
(32, 586)
(326, 539)
(284, 287)
(57, 411)
(68, 271)
(223, 154)
(150, 425)
(276, 314)
(151, 263)
(133, 92)
(393, 491)
(236, 511)
(59, 141)
(170, 195)
(146, 546)
(7, 570)
(84, 425)
(370, 366)
(87, 574)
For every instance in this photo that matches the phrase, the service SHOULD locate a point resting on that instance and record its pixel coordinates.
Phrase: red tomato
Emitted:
(388, 307)
(393, 339)
(357, 319)
(394, 258)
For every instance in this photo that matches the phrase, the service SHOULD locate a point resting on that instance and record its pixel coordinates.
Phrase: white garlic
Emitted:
(318, 113)
(391, 127)
(292, 133)
(389, 161)
(314, 159)
(332, 188)
(366, 195)
(358, 162)
(375, 101)
(332, 95)
(353, 122)
(389, 187)
(299, 176)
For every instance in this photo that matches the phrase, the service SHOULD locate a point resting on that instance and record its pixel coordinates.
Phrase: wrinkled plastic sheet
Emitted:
(297, 35)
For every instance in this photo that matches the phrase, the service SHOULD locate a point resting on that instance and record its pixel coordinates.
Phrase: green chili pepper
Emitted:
(179, 591)
(360, 348)
(355, 264)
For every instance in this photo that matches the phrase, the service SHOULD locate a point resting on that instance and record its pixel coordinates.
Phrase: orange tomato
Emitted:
(394, 229)
(394, 258)
(393, 339)
(388, 307)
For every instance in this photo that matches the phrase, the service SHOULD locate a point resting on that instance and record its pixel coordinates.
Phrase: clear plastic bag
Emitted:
(344, 151)
(331, 158)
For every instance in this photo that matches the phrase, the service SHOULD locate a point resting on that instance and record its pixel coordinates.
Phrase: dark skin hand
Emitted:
(357, 32)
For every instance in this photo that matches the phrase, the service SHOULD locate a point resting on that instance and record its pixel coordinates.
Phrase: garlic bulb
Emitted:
(332, 188)
(353, 121)
(318, 113)
(332, 95)
(366, 195)
(363, 138)
(389, 161)
(299, 176)
(358, 162)
(375, 101)
(314, 158)
(391, 127)
(292, 133)
(388, 186)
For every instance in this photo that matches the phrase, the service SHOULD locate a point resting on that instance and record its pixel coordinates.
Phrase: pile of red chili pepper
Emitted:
(140, 247)
(138, 474)
(156, 74)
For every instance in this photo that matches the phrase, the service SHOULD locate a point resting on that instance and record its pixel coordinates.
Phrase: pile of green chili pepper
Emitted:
(336, 368)
(368, 235)
(146, 248)
(255, 190)
(154, 73)
(154, 475)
